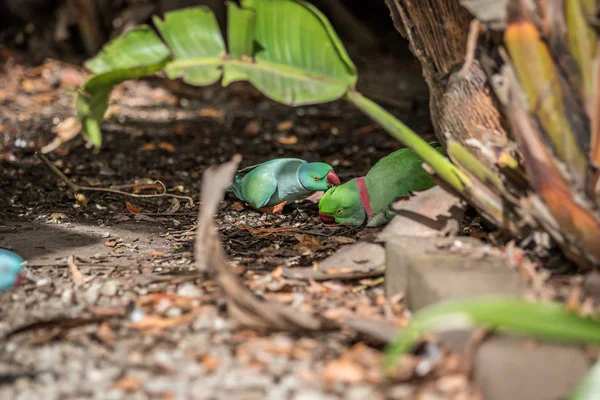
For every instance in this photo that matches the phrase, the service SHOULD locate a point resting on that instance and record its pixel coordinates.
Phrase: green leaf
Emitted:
(298, 57)
(240, 40)
(589, 387)
(550, 321)
(139, 47)
(196, 43)
(286, 48)
(137, 53)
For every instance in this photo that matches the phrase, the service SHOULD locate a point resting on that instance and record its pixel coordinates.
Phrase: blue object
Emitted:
(11, 266)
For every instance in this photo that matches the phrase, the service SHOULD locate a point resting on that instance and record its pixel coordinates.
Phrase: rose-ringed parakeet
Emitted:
(365, 200)
(281, 181)
(11, 266)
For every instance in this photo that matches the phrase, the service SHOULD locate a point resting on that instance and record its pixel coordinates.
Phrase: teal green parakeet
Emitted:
(11, 269)
(365, 200)
(282, 180)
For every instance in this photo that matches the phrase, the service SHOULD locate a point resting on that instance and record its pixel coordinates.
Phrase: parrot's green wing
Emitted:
(395, 176)
(258, 192)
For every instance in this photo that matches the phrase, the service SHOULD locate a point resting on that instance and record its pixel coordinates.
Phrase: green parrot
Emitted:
(365, 200)
(282, 180)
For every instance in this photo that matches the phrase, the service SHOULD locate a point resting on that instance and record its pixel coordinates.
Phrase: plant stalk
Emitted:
(447, 171)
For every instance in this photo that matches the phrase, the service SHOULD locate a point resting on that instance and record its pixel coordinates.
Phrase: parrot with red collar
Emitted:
(365, 200)
(282, 181)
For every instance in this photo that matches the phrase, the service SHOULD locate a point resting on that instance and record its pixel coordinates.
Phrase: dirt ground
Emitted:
(138, 322)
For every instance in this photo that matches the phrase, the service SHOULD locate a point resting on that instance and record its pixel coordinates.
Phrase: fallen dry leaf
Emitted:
(429, 213)
(252, 128)
(128, 384)
(174, 207)
(210, 362)
(344, 370)
(359, 260)
(152, 323)
(315, 197)
(58, 216)
(149, 147)
(368, 128)
(76, 275)
(167, 147)
(156, 254)
(237, 206)
(285, 126)
(211, 113)
(110, 243)
(307, 243)
(132, 208)
(67, 129)
(105, 333)
(288, 139)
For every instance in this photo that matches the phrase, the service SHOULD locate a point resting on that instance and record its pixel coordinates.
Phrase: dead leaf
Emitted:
(211, 113)
(58, 216)
(308, 243)
(285, 125)
(152, 323)
(167, 147)
(315, 197)
(210, 362)
(76, 275)
(242, 304)
(429, 213)
(360, 260)
(105, 333)
(174, 207)
(368, 128)
(156, 254)
(149, 147)
(67, 129)
(128, 384)
(237, 206)
(344, 370)
(289, 140)
(343, 239)
(132, 208)
(110, 243)
(252, 128)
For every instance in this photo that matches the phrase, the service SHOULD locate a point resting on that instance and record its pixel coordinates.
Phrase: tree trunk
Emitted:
(518, 110)
(461, 102)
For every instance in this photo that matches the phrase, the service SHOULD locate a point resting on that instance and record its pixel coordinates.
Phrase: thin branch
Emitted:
(75, 188)
(474, 30)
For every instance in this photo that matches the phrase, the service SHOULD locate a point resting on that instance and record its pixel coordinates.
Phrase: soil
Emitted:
(141, 323)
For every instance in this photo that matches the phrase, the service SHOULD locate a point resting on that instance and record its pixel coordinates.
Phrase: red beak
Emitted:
(20, 280)
(333, 179)
(328, 219)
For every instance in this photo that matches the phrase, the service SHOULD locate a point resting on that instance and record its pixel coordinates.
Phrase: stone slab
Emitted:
(510, 368)
(428, 273)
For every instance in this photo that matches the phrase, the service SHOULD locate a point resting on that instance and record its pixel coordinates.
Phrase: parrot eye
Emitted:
(316, 178)
(338, 212)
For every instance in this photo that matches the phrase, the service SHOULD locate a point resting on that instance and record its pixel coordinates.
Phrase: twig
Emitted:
(474, 29)
(75, 188)
(76, 275)
(374, 282)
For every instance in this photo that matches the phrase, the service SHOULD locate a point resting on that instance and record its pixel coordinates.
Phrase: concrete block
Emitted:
(509, 368)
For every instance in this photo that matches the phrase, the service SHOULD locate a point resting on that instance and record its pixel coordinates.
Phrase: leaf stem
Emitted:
(440, 164)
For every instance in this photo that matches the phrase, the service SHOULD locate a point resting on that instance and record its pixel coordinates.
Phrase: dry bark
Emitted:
(462, 105)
